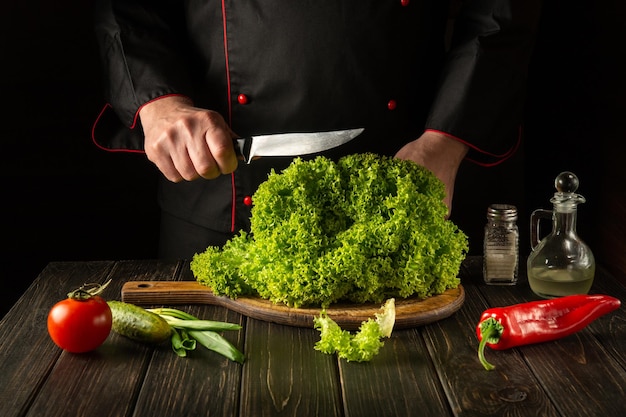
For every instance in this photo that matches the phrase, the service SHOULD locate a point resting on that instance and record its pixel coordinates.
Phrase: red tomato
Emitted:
(80, 325)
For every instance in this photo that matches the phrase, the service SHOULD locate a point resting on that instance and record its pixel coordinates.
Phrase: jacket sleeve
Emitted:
(481, 97)
(143, 52)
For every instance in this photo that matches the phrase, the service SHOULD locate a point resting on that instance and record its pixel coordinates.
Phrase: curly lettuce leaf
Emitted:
(361, 346)
(362, 229)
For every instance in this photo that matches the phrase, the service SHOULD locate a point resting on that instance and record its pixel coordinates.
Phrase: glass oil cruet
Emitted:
(561, 264)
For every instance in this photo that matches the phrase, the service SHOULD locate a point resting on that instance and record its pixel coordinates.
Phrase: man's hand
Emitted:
(440, 154)
(186, 142)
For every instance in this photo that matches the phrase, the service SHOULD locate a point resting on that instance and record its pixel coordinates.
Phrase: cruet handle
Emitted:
(535, 221)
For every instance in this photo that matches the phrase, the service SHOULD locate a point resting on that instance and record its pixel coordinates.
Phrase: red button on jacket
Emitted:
(242, 99)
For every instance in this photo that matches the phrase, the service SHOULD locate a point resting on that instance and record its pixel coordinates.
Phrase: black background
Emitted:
(65, 200)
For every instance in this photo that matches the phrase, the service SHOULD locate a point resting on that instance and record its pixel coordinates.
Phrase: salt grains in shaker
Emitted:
(501, 252)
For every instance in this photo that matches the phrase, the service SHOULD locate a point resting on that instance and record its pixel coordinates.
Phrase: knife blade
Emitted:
(293, 144)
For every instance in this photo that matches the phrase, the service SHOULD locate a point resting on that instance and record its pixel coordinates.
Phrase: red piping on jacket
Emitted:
(230, 116)
(501, 158)
(133, 126)
(93, 134)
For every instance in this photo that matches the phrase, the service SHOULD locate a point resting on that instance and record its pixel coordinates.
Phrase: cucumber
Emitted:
(139, 324)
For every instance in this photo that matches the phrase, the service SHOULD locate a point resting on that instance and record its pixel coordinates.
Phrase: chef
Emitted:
(186, 77)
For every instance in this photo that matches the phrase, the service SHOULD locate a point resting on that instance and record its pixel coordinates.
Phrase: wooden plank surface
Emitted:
(285, 376)
(596, 383)
(203, 383)
(24, 335)
(510, 389)
(611, 330)
(79, 384)
(399, 381)
(430, 370)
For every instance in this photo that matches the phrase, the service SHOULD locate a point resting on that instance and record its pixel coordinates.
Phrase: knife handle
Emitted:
(242, 148)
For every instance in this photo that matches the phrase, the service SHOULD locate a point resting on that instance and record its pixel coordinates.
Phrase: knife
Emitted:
(293, 144)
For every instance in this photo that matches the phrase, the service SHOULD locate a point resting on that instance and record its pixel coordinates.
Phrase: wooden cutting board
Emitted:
(410, 312)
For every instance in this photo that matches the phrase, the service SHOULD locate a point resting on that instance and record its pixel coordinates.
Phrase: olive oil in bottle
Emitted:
(561, 264)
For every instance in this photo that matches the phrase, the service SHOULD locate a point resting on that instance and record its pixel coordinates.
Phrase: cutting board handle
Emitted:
(168, 292)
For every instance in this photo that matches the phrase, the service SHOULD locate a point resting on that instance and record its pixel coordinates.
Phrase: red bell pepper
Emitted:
(539, 321)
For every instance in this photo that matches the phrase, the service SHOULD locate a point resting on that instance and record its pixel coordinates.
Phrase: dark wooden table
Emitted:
(428, 371)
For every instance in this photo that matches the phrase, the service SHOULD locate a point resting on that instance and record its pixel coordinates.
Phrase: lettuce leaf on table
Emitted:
(361, 346)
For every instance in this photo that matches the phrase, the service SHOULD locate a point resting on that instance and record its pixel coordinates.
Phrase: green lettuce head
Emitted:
(363, 229)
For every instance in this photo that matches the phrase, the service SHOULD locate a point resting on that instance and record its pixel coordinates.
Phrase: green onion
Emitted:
(181, 342)
(188, 329)
(215, 342)
(216, 326)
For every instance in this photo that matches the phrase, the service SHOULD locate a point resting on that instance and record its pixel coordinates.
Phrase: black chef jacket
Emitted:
(276, 66)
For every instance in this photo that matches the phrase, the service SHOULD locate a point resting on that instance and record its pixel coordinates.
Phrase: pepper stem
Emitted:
(490, 332)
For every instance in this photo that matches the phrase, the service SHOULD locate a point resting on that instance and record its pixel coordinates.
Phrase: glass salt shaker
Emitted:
(561, 264)
(501, 245)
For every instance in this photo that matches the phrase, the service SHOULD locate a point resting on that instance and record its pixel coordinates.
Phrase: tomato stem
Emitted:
(86, 291)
